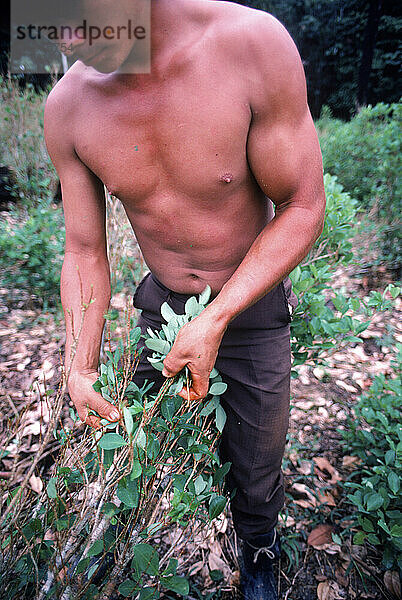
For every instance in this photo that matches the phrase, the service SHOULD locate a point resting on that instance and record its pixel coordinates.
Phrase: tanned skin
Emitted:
(194, 151)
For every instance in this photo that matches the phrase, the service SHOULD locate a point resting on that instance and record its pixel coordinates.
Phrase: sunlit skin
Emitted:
(194, 151)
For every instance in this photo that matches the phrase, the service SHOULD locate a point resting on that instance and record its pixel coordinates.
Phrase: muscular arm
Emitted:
(284, 155)
(85, 272)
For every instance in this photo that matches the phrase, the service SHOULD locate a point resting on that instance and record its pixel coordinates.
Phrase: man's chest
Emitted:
(188, 136)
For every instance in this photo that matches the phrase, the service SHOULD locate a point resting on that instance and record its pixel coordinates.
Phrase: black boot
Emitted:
(258, 581)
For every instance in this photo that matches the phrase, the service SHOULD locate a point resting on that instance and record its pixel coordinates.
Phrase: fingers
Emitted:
(198, 389)
(104, 409)
(172, 365)
(93, 422)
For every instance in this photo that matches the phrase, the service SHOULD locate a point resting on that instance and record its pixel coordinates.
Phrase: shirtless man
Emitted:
(196, 151)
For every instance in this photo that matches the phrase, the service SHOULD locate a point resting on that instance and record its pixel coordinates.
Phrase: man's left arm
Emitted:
(284, 156)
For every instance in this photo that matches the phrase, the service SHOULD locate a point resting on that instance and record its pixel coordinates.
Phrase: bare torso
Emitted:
(173, 148)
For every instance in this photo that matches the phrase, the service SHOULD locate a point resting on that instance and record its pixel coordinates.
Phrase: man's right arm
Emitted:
(85, 274)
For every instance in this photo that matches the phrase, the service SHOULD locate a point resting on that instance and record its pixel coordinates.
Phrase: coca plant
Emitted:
(116, 490)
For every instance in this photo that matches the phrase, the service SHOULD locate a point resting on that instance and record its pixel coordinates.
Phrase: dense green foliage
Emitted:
(325, 320)
(375, 436)
(31, 249)
(365, 155)
(22, 144)
(155, 468)
(331, 36)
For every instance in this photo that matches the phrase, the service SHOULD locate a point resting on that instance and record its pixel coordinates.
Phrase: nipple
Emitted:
(226, 177)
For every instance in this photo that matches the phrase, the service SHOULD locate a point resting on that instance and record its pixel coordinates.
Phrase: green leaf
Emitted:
(161, 346)
(396, 531)
(176, 584)
(127, 587)
(389, 457)
(191, 307)
(168, 408)
(199, 485)
(128, 420)
(218, 388)
(158, 365)
(367, 525)
(216, 506)
(127, 492)
(135, 335)
(394, 482)
(136, 407)
(171, 568)
(51, 488)
(220, 418)
(136, 470)
(209, 407)
(221, 472)
(149, 593)
(110, 441)
(203, 298)
(96, 548)
(167, 312)
(359, 537)
(374, 501)
(355, 303)
(97, 386)
(141, 438)
(145, 559)
(216, 575)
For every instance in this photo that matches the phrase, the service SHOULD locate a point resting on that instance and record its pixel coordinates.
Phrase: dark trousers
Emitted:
(254, 360)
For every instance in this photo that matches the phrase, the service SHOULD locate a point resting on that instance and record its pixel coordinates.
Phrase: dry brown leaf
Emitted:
(235, 579)
(324, 591)
(196, 567)
(341, 578)
(305, 467)
(325, 466)
(349, 462)
(309, 501)
(320, 535)
(331, 548)
(36, 483)
(329, 590)
(326, 498)
(215, 562)
(393, 583)
(215, 548)
(346, 386)
(286, 520)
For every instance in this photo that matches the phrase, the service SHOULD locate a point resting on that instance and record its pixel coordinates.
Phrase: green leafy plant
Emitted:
(324, 319)
(365, 155)
(31, 249)
(22, 142)
(116, 489)
(375, 436)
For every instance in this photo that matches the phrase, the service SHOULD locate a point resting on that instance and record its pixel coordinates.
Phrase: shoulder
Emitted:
(62, 101)
(254, 32)
(262, 49)
(61, 113)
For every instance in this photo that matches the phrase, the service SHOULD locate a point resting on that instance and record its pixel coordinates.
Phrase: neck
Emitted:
(168, 19)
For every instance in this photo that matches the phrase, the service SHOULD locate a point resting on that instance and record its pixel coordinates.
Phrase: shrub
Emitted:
(365, 155)
(114, 490)
(22, 143)
(375, 436)
(324, 320)
(31, 248)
